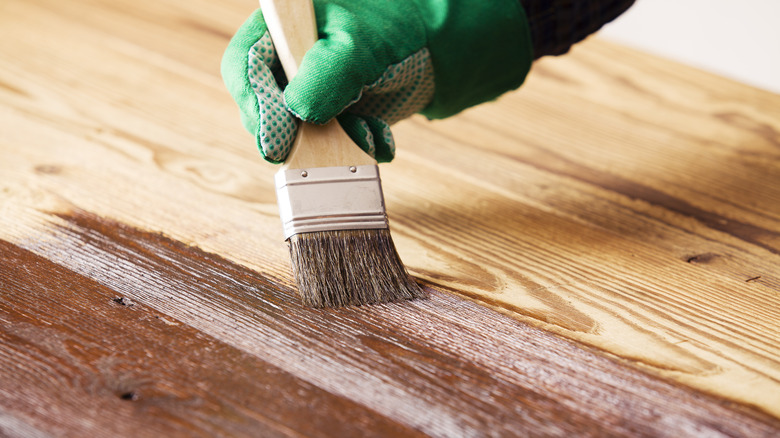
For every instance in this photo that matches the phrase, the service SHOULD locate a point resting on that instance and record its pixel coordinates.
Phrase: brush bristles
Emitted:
(351, 267)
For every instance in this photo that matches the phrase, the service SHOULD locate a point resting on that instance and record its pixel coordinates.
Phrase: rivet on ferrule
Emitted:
(330, 199)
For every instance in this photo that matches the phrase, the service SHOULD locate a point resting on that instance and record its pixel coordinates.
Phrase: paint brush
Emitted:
(330, 196)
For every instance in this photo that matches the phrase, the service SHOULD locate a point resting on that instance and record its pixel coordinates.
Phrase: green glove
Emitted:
(378, 62)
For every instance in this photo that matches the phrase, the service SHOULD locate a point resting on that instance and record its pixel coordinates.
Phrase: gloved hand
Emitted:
(377, 62)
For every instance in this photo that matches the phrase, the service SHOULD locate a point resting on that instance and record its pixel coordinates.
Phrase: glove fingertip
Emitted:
(372, 134)
(275, 134)
(383, 139)
(316, 103)
(359, 131)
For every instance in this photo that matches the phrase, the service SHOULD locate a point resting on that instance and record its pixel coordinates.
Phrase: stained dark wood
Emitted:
(79, 359)
(131, 332)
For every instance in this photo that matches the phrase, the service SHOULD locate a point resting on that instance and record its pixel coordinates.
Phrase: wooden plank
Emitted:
(133, 333)
(621, 249)
(617, 200)
(78, 359)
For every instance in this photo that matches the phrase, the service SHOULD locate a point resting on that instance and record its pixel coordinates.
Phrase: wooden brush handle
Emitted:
(293, 29)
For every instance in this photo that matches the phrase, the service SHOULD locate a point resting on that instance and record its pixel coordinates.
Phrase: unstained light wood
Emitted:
(602, 247)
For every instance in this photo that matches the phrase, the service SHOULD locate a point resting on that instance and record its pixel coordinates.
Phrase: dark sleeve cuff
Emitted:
(556, 25)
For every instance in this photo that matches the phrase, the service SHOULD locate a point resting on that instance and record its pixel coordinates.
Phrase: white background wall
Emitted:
(739, 39)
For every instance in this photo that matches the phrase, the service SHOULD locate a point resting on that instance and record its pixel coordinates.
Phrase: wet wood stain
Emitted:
(137, 334)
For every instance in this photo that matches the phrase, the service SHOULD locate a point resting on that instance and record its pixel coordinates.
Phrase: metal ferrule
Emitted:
(330, 199)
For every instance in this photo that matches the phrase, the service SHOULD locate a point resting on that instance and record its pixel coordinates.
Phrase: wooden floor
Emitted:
(602, 249)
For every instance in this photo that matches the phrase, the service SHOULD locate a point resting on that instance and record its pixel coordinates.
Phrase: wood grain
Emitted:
(614, 226)
(90, 322)
(653, 240)
(79, 359)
